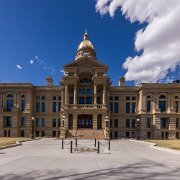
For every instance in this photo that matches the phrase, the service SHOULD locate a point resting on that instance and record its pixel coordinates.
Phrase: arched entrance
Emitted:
(85, 121)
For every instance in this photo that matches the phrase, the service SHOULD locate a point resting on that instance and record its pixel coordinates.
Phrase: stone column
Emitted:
(66, 94)
(104, 94)
(95, 94)
(75, 94)
(62, 97)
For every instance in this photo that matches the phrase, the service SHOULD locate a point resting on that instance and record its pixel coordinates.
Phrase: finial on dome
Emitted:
(86, 35)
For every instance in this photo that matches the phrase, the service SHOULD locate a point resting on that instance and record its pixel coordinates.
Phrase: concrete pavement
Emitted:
(44, 159)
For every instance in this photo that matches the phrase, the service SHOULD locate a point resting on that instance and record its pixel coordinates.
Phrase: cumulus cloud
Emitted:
(159, 41)
(18, 66)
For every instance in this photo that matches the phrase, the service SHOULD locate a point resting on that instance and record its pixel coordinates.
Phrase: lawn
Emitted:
(171, 144)
(8, 140)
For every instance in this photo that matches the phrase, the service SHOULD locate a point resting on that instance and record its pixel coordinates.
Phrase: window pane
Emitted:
(9, 105)
(54, 97)
(81, 91)
(133, 107)
(89, 100)
(37, 107)
(127, 123)
(81, 100)
(89, 91)
(53, 122)
(22, 105)
(116, 98)
(127, 107)
(133, 123)
(43, 106)
(54, 107)
(43, 97)
(116, 123)
(133, 98)
(37, 122)
(23, 122)
(116, 106)
(43, 123)
(162, 105)
(111, 106)
(148, 106)
(99, 100)
(148, 123)
(127, 97)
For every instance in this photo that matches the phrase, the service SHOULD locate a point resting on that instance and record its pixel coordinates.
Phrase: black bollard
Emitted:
(76, 142)
(95, 143)
(62, 144)
(98, 147)
(71, 146)
(109, 144)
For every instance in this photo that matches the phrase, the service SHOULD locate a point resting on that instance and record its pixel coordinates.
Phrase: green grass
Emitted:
(4, 141)
(171, 144)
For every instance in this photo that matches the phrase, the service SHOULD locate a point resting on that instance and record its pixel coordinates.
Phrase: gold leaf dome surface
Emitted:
(85, 43)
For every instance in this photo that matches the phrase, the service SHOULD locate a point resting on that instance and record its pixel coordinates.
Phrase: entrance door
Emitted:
(99, 121)
(85, 121)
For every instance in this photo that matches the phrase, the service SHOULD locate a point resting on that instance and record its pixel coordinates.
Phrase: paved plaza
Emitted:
(44, 159)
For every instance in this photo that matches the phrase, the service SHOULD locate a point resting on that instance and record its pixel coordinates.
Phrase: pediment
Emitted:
(86, 62)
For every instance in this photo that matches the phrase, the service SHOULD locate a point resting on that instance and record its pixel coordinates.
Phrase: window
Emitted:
(81, 91)
(59, 106)
(162, 97)
(116, 98)
(37, 107)
(53, 122)
(127, 107)
(149, 135)
(148, 122)
(81, 100)
(177, 123)
(133, 107)
(89, 100)
(115, 135)
(111, 106)
(43, 106)
(163, 123)
(148, 106)
(111, 98)
(23, 122)
(127, 98)
(37, 97)
(133, 98)
(9, 105)
(127, 123)
(54, 107)
(162, 106)
(176, 106)
(22, 133)
(37, 122)
(54, 134)
(8, 121)
(89, 91)
(116, 123)
(71, 100)
(110, 123)
(116, 107)
(54, 98)
(23, 105)
(42, 133)
(59, 122)
(133, 134)
(127, 134)
(99, 100)
(59, 98)
(43, 97)
(133, 123)
(43, 122)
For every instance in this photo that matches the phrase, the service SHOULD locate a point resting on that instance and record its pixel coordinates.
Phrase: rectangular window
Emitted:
(162, 106)
(89, 91)
(110, 123)
(116, 107)
(127, 134)
(116, 123)
(9, 105)
(59, 106)
(54, 134)
(133, 98)
(23, 122)
(54, 107)
(148, 122)
(127, 98)
(133, 123)
(23, 105)
(176, 106)
(22, 133)
(8, 121)
(115, 135)
(111, 98)
(37, 97)
(43, 122)
(127, 107)
(111, 106)
(133, 107)
(43, 97)
(81, 100)
(81, 91)
(99, 100)
(59, 122)
(43, 106)
(89, 100)
(71, 100)
(116, 98)
(37, 107)
(148, 106)
(37, 122)
(127, 123)
(53, 122)
(54, 98)
(59, 98)
(163, 123)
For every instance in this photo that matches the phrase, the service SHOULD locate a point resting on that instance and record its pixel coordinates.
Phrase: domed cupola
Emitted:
(86, 49)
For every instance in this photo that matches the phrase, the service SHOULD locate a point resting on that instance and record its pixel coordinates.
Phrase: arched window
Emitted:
(148, 103)
(9, 102)
(162, 97)
(148, 97)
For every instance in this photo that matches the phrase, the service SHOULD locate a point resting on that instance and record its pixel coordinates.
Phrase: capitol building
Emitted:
(86, 105)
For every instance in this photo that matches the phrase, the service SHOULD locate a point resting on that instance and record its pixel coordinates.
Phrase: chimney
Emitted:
(122, 81)
(49, 80)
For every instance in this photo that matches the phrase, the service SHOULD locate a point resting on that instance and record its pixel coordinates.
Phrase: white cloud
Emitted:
(159, 40)
(18, 66)
(31, 61)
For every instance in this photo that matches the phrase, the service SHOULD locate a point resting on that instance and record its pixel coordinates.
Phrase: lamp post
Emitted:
(32, 133)
(63, 119)
(137, 125)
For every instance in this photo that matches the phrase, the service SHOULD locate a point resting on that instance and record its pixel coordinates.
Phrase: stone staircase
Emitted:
(85, 134)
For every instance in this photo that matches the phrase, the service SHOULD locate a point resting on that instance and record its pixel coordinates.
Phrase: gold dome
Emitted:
(85, 43)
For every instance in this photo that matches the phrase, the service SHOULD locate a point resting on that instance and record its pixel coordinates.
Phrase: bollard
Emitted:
(109, 144)
(95, 143)
(62, 144)
(98, 147)
(71, 146)
(76, 142)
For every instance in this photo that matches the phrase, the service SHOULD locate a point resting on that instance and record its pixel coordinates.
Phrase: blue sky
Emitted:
(49, 31)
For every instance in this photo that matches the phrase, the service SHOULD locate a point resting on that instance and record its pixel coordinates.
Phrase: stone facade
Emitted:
(86, 99)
